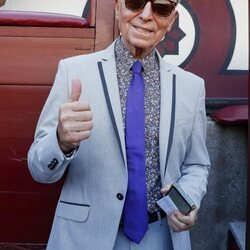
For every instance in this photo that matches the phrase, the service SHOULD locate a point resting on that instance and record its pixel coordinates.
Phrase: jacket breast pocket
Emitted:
(73, 211)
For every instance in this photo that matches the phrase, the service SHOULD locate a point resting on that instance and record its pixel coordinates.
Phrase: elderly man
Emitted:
(125, 124)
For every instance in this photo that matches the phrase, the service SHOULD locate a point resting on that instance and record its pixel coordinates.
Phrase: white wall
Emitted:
(74, 7)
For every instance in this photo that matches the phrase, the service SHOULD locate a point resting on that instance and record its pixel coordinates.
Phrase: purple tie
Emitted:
(135, 207)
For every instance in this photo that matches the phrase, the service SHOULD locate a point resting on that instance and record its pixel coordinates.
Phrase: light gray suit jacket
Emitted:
(89, 209)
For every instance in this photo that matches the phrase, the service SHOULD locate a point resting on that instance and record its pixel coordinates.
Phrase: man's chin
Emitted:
(142, 44)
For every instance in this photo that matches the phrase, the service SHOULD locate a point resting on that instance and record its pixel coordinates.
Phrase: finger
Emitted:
(81, 126)
(186, 220)
(189, 219)
(73, 139)
(79, 106)
(176, 224)
(76, 137)
(74, 117)
(82, 116)
(165, 189)
(76, 90)
(172, 225)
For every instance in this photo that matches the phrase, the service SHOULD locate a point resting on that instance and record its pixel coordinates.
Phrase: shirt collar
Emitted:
(125, 58)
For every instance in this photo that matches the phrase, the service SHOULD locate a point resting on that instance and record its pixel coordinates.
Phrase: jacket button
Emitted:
(119, 196)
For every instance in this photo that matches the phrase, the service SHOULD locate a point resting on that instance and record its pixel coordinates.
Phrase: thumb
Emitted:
(76, 90)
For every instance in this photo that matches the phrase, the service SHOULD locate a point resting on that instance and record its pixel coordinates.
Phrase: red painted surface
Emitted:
(27, 207)
(237, 114)
(215, 37)
(29, 18)
(28, 63)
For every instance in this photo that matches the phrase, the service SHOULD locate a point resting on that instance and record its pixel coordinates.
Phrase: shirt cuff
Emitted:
(71, 154)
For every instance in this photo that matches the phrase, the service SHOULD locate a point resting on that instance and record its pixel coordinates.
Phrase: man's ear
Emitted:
(175, 14)
(2, 2)
(117, 9)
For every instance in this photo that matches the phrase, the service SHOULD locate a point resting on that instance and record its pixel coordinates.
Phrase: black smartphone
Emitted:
(181, 200)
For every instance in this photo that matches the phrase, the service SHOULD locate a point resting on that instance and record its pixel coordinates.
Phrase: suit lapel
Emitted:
(107, 71)
(167, 117)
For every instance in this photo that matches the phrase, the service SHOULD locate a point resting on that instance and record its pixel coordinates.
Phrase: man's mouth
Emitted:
(142, 30)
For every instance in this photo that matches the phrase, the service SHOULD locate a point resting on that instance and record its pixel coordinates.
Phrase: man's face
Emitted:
(142, 30)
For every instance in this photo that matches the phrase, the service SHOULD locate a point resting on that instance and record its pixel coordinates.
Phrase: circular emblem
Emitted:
(179, 45)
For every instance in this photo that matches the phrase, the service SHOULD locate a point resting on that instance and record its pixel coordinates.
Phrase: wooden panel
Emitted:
(25, 204)
(13, 31)
(22, 246)
(28, 62)
(92, 13)
(26, 217)
(34, 60)
(20, 109)
(105, 19)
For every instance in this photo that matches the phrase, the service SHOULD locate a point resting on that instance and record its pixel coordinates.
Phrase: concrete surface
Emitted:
(225, 200)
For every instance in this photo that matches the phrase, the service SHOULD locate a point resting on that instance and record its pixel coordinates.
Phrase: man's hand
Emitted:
(75, 120)
(179, 222)
(176, 220)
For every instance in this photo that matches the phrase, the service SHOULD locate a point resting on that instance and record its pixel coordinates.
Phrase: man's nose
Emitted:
(147, 12)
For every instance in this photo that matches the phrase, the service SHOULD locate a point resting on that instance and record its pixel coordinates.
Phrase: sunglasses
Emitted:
(160, 7)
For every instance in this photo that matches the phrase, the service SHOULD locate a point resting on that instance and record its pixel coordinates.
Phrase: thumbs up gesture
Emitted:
(75, 120)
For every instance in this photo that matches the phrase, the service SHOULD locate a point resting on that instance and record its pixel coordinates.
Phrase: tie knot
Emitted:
(137, 67)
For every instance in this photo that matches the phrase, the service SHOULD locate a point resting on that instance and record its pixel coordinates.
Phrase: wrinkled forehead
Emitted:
(162, 1)
(165, 1)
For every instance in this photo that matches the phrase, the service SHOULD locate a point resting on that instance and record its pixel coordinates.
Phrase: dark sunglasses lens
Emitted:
(135, 4)
(163, 9)
(160, 7)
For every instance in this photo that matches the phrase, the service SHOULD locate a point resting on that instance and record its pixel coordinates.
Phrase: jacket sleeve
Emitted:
(196, 165)
(46, 161)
